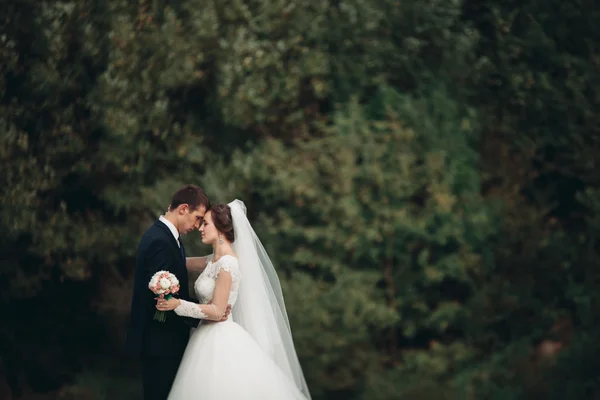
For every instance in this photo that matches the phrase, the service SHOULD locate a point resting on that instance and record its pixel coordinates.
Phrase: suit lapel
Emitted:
(182, 250)
(181, 271)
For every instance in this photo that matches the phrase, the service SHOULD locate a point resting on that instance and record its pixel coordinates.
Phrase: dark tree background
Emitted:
(424, 175)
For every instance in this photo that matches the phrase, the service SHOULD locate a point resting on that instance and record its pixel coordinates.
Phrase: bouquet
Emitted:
(163, 284)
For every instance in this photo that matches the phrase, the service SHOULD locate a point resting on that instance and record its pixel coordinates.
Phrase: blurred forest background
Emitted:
(424, 175)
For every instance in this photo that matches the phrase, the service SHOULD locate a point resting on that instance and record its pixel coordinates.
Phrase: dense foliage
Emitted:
(423, 173)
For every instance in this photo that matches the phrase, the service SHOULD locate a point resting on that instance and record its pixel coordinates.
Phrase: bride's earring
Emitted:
(220, 239)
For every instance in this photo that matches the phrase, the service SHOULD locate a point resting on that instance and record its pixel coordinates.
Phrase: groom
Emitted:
(160, 345)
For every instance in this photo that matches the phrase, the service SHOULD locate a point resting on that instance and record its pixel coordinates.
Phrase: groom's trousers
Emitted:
(158, 374)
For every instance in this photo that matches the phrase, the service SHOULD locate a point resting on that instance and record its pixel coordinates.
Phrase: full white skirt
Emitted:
(223, 362)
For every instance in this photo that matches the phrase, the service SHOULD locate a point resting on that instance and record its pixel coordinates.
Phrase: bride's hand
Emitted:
(167, 305)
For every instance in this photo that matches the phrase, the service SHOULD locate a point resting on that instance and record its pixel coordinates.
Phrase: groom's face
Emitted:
(190, 219)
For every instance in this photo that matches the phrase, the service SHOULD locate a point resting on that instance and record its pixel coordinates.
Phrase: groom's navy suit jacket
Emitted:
(158, 250)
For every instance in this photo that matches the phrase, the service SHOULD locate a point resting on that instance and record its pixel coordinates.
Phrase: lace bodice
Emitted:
(212, 286)
(205, 284)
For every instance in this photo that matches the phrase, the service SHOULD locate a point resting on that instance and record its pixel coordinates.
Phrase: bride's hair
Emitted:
(221, 217)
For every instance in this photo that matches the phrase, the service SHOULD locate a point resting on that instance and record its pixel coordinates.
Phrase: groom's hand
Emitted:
(227, 312)
(225, 316)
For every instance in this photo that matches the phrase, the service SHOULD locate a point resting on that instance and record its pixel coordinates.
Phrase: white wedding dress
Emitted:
(222, 360)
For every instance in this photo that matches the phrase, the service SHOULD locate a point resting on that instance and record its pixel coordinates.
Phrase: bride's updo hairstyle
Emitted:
(221, 217)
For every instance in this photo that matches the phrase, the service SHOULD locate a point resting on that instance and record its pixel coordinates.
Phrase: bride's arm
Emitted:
(196, 264)
(213, 312)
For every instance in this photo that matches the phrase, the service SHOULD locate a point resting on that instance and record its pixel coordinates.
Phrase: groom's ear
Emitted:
(182, 208)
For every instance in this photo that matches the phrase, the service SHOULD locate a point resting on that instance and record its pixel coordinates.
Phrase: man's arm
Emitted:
(196, 264)
(157, 259)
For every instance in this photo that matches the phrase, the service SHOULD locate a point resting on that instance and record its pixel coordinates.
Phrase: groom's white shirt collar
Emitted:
(171, 227)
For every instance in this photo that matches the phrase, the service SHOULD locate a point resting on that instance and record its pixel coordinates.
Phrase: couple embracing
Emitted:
(240, 345)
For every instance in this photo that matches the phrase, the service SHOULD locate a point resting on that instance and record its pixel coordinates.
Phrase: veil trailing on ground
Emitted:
(260, 308)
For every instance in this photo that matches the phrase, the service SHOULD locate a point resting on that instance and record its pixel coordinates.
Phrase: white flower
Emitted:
(165, 283)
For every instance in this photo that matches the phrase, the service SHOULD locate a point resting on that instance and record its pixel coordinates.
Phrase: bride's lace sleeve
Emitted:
(216, 310)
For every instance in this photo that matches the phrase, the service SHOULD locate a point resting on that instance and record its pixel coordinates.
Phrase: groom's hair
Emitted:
(191, 195)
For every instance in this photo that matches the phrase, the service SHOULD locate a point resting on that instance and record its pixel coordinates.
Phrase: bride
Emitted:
(251, 355)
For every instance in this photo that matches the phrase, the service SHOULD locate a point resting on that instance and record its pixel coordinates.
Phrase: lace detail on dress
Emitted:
(205, 284)
(189, 309)
(199, 311)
